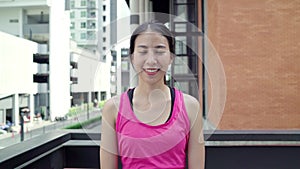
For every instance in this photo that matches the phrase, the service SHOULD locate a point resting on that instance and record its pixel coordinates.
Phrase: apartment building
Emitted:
(69, 73)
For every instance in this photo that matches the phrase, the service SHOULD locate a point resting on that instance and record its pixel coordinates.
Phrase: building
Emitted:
(240, 62)
(46, 23)
(91, 76)
(69, 73)
(16, 75)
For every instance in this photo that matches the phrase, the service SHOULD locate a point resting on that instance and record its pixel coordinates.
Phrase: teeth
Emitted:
(151, 70)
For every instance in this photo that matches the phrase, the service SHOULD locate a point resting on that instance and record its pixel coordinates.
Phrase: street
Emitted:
(39, 128)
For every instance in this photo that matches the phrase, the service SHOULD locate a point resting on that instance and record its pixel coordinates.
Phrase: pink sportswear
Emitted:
(143, 146)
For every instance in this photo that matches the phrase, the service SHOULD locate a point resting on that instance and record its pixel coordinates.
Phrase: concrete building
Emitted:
(46, 23)
(17, 89)
(68, 72)
(91, 76)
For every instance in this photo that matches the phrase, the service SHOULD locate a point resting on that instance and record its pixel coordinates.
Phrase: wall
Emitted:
(10, 14)
(16, 66)
(259, 47)
(59, 59)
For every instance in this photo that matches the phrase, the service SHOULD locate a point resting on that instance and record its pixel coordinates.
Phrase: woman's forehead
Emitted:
(151, 37)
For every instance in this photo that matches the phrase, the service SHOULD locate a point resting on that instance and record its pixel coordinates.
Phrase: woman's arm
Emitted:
(196, 147)
(108, 146)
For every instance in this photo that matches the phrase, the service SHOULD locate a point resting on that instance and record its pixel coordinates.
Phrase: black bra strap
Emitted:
(172, 91)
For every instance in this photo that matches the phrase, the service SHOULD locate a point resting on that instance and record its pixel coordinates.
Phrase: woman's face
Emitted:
(151, 56)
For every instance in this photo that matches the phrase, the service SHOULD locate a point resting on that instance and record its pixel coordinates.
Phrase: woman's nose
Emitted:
(151, 58)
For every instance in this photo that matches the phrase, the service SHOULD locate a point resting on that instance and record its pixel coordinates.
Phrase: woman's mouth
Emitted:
(151, 71)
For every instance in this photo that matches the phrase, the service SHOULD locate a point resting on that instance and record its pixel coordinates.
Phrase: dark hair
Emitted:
(155, 27)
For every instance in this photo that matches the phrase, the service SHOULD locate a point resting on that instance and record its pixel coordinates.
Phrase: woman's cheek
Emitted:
(137, 67)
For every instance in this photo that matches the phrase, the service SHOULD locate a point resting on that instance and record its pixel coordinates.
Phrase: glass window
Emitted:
(93, 14)
(104, 39)
(91, 35)
(180, 27)
(104, 18)
(82, 25)
(82, 35)
(92, 4)
(186, 12)
(72, 4)
(73, 35)
(72, 25)
(104, 7)
(83, 14)
(83, 3)
(104, 29)
(180, 45)
(72, 14)
(125, 66)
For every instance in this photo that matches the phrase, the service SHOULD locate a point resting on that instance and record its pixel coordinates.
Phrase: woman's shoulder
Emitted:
(192, 106)
(111, 106)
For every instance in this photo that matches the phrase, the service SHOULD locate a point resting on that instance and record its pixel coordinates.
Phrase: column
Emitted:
(142, 11)
(31, 106)
(134, 22)
(147, 14)
(16, 112)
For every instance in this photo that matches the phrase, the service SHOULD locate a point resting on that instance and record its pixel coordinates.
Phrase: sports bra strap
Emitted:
(172, 91)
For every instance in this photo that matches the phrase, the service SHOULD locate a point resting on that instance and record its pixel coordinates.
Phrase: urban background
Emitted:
(58, 57)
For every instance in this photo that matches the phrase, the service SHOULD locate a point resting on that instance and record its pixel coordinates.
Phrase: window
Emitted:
(83, 36)
(104, 39)
(92, 25)
(91, 35)
(104, 7)
(72, 4)
(104, 18)
(83, 3)
(83, 14)
(93, 14)
(103, 95)
(103, 48)
(72, 35)
(72, 25)
(92, 4)
(72, 14)
(104, 29)
(82, 25)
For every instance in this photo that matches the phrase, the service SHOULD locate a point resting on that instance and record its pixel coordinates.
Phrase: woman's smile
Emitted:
(151, 71)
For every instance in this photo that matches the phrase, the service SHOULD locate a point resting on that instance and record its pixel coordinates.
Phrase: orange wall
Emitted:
(258, 42)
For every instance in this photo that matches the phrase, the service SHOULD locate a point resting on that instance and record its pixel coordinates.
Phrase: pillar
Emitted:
(16, 111)
(134, 22)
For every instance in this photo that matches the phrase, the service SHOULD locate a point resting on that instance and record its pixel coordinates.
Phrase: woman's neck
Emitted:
(146, 89)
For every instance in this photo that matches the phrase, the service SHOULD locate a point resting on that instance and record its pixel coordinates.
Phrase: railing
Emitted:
(224, 150)
(36, 29)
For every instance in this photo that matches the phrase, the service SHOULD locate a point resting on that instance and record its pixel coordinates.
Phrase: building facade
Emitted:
(46, 23)
(242, 59)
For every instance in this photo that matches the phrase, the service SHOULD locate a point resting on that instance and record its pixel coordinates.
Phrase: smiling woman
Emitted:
(152, 125)
(151, 57)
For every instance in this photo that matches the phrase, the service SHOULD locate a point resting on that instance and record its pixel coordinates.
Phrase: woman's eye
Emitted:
(142, 52)
(160, 52)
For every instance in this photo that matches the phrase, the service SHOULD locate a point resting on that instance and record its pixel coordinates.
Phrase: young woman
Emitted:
(152, 126)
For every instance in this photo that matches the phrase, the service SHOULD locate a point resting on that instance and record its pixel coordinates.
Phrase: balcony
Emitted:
(41, 78)
(41, 58)
(42, 28)
(224, 149)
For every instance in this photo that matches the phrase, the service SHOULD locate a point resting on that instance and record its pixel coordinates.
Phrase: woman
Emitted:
(152, 125)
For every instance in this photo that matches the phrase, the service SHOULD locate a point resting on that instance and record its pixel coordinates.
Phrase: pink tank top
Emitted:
(143, 146)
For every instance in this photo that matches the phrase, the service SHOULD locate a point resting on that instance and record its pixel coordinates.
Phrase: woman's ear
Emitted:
(172, 58)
